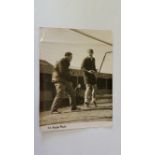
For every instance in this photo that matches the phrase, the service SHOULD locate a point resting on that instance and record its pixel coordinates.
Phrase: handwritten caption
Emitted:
(56, 126)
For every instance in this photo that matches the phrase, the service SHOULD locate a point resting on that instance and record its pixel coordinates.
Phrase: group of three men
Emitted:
(62, 80)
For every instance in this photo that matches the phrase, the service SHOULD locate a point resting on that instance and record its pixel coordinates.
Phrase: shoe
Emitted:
(54, 111)
(94, 102)
(75, 109)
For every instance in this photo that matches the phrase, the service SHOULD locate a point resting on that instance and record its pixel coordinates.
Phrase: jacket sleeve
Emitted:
(95, 65)
(83, 66)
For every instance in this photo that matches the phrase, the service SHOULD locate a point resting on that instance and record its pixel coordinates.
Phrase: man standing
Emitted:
(62, 81)
(89, 69)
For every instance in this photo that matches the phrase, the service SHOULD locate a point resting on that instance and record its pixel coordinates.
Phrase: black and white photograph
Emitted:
(75, 78)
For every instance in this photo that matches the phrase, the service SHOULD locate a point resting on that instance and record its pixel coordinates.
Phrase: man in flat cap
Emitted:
(89, 68)
(62, 80)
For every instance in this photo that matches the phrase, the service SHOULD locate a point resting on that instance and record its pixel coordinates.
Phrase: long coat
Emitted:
(89, 64)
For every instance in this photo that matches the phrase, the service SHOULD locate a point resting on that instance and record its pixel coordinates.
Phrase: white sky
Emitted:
(55, 42)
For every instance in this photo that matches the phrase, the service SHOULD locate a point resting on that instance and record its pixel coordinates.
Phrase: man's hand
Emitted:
(91, 71)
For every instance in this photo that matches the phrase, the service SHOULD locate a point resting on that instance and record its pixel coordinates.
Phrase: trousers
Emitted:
(62, 89)
(90, 93)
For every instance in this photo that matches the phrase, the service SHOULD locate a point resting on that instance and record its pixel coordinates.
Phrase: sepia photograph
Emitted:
(75, 78)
